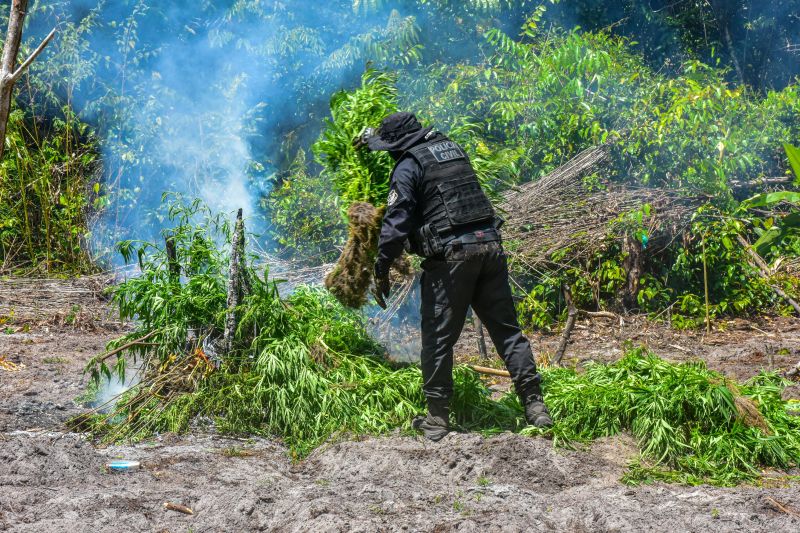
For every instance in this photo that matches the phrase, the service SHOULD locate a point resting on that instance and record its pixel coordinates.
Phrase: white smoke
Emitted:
(111, 388)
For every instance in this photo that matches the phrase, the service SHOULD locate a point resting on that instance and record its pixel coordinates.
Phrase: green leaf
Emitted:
(788, 226)
(794, 159)
(771, 198)
(766, 240)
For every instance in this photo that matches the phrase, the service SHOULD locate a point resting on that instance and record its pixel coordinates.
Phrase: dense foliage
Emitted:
(129, 68)
(696, 422)
(49, 190)
(534, 102)
(304, 222)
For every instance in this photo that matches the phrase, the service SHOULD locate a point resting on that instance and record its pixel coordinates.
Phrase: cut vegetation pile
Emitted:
(303, 369)
(691, 424)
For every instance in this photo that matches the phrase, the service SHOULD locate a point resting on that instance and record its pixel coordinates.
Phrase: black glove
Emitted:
(382, 284)
(361, 139)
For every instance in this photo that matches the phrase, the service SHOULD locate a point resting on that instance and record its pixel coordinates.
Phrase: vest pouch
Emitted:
(465, 202)
(429, 241)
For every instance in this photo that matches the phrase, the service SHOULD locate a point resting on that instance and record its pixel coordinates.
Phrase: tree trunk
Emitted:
(632, 264)
(9, 62)
(9, 73)
(235, 286)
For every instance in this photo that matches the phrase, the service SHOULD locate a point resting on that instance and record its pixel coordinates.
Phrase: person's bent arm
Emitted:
(398, 221)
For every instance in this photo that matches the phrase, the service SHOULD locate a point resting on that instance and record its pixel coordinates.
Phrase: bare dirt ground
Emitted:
(54, 480)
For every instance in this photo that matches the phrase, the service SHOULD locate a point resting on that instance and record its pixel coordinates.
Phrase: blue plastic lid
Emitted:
(123, 465)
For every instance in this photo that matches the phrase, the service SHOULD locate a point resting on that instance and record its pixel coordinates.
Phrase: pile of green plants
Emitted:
(304, 370)
(692, 424)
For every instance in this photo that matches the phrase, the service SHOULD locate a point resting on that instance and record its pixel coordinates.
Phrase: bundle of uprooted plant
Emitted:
(350, 279)
(302, 369)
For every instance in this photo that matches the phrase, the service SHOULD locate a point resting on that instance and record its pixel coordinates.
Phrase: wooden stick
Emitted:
(137, 342)
(490, 371)
(481, 339)
(599, 314)
(17, 73)
(572, 313)
(178, 507)
(234, 283)
(766, 273)
(705, 285)
(781, 507)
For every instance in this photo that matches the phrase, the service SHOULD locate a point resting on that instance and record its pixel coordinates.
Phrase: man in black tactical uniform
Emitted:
(437, 208)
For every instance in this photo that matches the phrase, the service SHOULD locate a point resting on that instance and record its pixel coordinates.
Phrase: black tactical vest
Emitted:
(452, 197)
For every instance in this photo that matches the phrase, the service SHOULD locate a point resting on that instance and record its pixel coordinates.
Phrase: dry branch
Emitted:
(490, 371)
(31, 58)
(178, 507)
(778, 506)
(600, 314)
(766, 272)
(572, 313)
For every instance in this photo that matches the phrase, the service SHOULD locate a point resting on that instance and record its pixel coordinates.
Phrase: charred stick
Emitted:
(481, 339)
(172, 258)
(572, 313)
(234, 283)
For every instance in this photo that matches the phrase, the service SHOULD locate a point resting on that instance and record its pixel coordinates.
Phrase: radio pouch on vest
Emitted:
(430, 242)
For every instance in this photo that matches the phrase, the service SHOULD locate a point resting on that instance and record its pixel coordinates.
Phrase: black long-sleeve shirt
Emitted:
(401, 210)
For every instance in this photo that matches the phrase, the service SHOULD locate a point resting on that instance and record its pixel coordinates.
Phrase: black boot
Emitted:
(536, 413)
(434, 426)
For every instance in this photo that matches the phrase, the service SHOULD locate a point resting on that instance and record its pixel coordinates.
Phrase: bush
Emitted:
(48, 192)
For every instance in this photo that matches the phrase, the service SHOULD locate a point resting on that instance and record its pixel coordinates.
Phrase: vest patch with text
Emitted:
(446, 151)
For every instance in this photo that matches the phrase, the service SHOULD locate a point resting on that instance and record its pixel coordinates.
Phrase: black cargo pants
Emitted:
(476, 275)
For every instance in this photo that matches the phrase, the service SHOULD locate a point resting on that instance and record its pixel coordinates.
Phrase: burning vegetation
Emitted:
(634, 179)
(304, 370)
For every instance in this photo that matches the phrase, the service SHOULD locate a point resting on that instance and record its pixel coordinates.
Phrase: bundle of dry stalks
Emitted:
(76, 302)
(562, 213)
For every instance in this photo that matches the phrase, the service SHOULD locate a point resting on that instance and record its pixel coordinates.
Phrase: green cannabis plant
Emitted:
(304, 370)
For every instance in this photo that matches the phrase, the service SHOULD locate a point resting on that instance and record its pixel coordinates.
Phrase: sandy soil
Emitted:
(53, 480)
